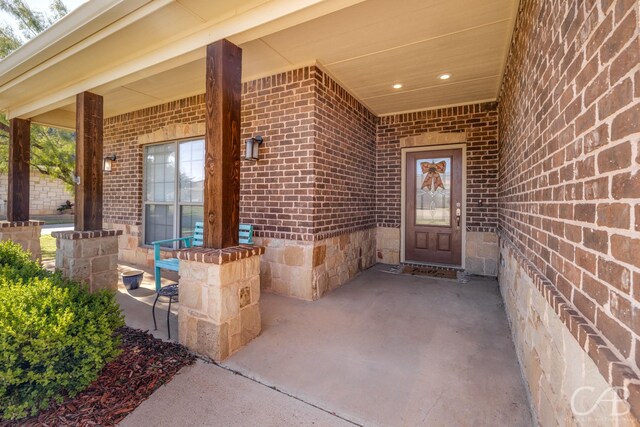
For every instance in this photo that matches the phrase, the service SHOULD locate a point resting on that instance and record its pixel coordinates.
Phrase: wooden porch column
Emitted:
(222, 145)
(19, 154)
(89, 122)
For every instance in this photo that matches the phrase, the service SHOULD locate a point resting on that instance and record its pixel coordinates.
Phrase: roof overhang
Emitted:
(139, 53)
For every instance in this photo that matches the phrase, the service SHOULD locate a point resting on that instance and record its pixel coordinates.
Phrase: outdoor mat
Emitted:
(441, 273)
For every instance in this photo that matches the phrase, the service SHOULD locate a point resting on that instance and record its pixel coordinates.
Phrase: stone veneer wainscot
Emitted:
(219, 299)
(89, 256)
(24, 233)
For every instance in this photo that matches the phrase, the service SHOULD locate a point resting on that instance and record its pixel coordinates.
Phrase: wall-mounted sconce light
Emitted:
(108, 162)
(252, 147)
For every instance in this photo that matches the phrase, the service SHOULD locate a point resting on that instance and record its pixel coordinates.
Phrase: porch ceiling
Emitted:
(145, 52)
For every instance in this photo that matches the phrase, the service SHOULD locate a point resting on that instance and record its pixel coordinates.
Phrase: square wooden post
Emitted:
(19, 162)
(222, 145)
(89, 132)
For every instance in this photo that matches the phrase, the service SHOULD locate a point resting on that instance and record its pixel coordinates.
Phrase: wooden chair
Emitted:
(246, 238)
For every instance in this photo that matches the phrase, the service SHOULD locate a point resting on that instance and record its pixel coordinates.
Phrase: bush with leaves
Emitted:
(55, 336)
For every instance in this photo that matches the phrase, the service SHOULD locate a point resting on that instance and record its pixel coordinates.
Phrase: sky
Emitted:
(42, 6)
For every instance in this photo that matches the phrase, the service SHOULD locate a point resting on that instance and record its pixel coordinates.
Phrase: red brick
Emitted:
(585, 213)
(599, 35)
(585, 260)
(626, 123)
(598, 240)
(614, 274)
(617, 98)
(614, 158)
(595, 289)
(624, 31)
(625, 62)
(626, 249)
(615, 215)
(626, 186)
(619, 336)
(585, 306)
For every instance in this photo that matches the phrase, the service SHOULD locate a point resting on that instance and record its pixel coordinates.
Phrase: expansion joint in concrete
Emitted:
(272, 387)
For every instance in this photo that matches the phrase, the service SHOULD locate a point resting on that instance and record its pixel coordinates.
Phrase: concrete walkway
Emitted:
(207, 395)
(48, 229)
(387, 350)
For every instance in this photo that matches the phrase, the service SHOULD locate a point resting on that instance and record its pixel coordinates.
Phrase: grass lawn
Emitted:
(54, 219)
(48, 247)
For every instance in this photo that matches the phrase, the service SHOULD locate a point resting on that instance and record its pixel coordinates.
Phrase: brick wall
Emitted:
(277, 191)
(344, 161)
(316, 171)
(123, 185)
(314, 180)
(569, 172)
(480, 122)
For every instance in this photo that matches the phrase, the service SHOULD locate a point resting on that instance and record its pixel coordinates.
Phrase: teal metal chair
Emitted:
(246, 238)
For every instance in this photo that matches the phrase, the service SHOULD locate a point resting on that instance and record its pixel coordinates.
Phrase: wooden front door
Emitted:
(433, 218)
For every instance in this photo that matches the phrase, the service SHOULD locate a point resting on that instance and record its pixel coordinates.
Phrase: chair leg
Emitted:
(158, 279)
(168, 314)
(153, 313)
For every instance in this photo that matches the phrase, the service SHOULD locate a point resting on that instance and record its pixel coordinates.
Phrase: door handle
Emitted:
(458, 216)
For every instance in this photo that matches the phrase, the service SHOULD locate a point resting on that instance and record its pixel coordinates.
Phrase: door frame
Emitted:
(403, 198)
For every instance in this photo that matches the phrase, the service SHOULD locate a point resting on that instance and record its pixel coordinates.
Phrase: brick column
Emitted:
(219, 299)
(24, 233)
(89, 256)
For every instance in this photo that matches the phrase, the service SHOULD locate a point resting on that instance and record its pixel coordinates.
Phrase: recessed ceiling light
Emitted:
(397, 86)
(444, 76)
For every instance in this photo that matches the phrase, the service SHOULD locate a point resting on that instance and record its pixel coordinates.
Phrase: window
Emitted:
(173, 189)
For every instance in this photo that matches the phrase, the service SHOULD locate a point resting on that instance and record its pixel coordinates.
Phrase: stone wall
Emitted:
(46, 194)
(219, 299)
(24, 233)
(565, 385)
(570, 175)
(307, 270)
(388, 245)
(89, 256)
(481, 253)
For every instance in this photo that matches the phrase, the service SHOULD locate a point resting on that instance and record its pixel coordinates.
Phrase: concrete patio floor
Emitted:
(384, 349)
(136, 304)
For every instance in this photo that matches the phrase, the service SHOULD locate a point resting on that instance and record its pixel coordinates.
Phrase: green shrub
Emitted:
(55, 336)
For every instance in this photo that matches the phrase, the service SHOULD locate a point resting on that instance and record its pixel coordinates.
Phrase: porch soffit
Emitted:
(155, 53)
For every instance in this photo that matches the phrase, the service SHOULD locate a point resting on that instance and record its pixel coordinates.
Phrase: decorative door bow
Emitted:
(432, 180)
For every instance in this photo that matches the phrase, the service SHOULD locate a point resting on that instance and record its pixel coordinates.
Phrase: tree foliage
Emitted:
(52, 150)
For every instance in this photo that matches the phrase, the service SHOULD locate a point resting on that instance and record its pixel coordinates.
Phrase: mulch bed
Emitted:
(144, 365)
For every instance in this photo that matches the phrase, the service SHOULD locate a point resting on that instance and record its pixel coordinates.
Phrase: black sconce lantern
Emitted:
(108, 162)
(252, 147)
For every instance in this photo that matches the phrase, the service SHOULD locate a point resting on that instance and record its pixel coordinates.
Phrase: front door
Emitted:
(433, 218)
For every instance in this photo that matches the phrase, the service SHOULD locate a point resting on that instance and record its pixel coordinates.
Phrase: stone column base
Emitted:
(89, 256)
(24, 233)
(219, 299)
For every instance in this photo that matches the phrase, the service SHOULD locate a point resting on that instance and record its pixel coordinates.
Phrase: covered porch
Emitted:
(494, 137)
(384, 349)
